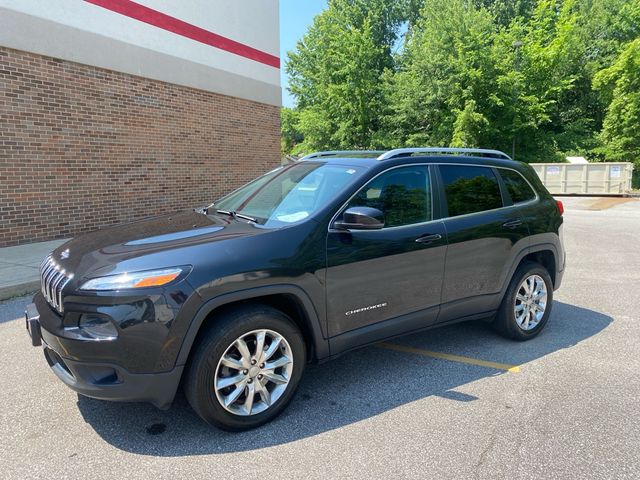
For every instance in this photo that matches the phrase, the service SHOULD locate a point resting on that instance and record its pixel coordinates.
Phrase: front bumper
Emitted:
(101, 380)
(111, 382)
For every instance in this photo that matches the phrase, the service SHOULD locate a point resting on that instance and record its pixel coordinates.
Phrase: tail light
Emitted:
(560, 207)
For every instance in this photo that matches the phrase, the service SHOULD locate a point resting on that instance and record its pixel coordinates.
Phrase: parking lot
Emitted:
(457, 402)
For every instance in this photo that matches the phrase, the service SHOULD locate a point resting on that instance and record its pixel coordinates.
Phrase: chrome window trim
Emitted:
(520, 204)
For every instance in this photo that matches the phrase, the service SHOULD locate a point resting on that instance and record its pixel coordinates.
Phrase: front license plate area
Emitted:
(32, 320)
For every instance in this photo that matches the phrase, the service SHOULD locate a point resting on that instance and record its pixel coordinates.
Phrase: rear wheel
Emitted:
(527, 303)
(245, 368)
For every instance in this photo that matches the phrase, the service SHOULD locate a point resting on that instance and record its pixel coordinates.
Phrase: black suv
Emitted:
(307, 262)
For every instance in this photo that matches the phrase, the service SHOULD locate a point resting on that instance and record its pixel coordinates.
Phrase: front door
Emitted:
(377, 275)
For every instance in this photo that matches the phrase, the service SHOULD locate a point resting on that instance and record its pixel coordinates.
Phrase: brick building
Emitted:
(113, 110)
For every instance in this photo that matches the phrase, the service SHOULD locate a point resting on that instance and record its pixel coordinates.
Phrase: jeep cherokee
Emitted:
(307, 262)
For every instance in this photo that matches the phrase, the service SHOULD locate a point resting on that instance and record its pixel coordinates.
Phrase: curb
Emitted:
(19, 290)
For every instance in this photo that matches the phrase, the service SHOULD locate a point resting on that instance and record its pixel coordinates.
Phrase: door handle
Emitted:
(512, 223)
(429, 238)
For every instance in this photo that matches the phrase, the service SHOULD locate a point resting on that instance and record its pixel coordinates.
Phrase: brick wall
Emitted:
(82, 147)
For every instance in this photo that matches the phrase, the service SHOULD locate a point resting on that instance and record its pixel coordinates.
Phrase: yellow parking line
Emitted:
(450, 357)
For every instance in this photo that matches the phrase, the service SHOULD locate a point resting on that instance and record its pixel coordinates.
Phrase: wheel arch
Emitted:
(545, 257)
(290, 299)
(546, 254)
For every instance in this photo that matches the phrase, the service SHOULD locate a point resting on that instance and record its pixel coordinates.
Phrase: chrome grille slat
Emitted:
(47, 277)
(60, 292)
(54, 288)
(45, 274)
(53, 280)
(43, 268)
(50, 281)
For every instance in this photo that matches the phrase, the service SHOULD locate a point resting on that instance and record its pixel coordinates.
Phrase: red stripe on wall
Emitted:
(179, 27)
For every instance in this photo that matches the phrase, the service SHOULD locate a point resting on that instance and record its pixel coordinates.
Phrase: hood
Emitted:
(163, 241)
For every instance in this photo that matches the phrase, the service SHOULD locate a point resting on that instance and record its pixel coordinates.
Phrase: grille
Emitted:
(53, 279)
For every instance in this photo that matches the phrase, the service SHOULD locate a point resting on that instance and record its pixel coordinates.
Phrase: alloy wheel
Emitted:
(253, 372)
(530, 302)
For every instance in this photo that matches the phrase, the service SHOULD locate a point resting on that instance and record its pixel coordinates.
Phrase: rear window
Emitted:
(470, 189)
(518, 188)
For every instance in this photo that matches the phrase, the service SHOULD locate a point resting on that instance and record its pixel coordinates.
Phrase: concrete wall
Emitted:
(228, 47)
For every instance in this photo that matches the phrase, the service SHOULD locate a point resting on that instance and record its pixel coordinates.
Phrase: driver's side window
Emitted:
(402, 194)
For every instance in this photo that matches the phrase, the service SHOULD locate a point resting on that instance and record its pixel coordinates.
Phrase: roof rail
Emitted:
(335, 153)
(401, 152)
(405, 152)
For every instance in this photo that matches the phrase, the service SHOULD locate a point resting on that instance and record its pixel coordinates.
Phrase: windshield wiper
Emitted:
(236, 215)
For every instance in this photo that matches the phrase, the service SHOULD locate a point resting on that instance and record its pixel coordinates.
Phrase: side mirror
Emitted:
(361, 218)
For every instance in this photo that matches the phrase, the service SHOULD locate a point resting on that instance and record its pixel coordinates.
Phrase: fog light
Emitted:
(97, 327)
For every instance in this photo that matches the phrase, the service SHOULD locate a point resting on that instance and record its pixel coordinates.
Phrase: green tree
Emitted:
(621, 84)
(445, 63)
(468, 126)
(291, 136)
(539, 77)
(550, 73)
(335, 72)
(505, 11)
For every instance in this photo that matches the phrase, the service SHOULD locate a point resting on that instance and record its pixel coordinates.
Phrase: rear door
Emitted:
(485, 233)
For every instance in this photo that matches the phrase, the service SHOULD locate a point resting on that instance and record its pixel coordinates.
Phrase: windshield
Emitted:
(289, 194)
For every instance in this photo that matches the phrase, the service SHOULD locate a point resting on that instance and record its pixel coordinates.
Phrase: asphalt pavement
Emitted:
(457, 402)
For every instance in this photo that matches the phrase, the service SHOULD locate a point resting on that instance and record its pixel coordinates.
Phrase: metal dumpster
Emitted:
(610, 178)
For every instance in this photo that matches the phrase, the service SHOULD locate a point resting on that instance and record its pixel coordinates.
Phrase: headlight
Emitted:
(150, 278)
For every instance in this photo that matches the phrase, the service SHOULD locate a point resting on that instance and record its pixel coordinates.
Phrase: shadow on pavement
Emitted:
(352, 388)
(13, 309)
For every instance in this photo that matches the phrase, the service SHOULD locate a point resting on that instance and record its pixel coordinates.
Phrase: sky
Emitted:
(295, 18)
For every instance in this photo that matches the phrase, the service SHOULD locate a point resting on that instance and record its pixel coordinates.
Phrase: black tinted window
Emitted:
(517, 186)
(470, 189)
(402, 194)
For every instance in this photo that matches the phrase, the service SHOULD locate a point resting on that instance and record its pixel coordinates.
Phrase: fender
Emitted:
(546, 246)
(320, 344)
(523, 253)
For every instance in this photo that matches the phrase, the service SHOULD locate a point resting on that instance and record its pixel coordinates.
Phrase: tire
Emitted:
(206, 369)
(517, 327)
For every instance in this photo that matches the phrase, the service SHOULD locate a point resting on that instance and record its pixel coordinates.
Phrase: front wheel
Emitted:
(527, 303)
(245, 368)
